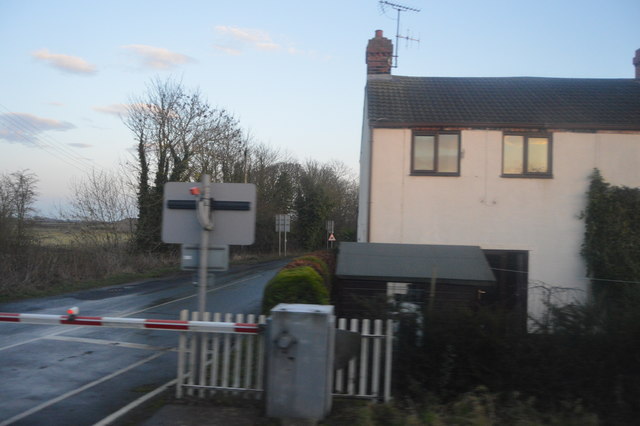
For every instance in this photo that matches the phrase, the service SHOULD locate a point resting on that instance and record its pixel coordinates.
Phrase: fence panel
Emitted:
(234, 362)
(362, 378)
(215, 362)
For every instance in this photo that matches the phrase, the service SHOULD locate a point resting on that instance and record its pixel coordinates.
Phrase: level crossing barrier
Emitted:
(156, 324)
(229, 355)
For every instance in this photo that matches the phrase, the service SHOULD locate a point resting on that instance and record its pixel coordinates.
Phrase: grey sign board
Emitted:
(217, 258)
(283, 223)
(233, 208)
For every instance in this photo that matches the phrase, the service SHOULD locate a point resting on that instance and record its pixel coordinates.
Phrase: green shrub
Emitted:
(314, 262)
(297, 285)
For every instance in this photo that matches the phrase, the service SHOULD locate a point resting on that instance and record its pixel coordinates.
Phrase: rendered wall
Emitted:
(481, 208)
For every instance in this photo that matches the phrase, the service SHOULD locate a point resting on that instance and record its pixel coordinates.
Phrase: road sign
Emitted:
(217, 258)
(234, 214)
(332, 238)
(283, 223)
(330, 225)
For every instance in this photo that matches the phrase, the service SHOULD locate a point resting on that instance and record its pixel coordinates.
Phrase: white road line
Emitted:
(109, 343)
(35, 339)
(78, 390)
(127, 408)
(67, 329)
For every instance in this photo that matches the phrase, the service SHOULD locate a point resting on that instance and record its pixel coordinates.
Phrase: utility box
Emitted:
(300, 350)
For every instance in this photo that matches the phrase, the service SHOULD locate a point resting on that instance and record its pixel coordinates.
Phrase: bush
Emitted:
(314, 262)
(297, 285)
(588, 367)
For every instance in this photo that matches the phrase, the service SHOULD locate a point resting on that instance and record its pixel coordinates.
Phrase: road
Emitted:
(65, 375)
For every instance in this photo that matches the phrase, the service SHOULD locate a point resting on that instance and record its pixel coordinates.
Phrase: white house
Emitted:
(500, 163)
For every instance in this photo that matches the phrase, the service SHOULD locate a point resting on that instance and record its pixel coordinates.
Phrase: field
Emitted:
(60, 256)
(53, 232)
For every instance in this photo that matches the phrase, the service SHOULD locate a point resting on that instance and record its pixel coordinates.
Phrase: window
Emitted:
(436, 154)
(526, 156)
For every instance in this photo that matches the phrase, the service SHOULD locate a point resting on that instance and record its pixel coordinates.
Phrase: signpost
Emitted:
(206, 216)
(283, 224)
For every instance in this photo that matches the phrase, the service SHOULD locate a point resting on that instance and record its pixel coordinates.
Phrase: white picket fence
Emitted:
(210, 362)
(234, 362)
(369, 374)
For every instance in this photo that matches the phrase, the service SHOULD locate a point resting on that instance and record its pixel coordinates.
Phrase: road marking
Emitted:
(109, 343)
(193, 295)
(55, 333)
(132, 405)
(78, 390)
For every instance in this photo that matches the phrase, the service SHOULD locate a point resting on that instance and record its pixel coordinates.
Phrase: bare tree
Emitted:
(104, 206)
(17, 195)
(178, 136)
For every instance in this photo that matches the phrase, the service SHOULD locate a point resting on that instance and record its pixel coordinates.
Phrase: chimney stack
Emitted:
(379, 55)
(636, 62)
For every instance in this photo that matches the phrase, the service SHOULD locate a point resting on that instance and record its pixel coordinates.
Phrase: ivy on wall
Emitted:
(611, 246)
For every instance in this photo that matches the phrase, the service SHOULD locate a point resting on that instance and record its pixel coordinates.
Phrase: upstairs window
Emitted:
(435, 154)
(526, 156)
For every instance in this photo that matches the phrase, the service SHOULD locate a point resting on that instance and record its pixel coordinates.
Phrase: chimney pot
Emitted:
(636, 62)
(378, 33)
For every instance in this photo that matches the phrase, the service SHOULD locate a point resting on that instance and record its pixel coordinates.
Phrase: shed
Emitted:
(370, 272)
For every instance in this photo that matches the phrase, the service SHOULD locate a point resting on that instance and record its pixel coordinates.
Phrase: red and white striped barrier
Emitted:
(157, 324)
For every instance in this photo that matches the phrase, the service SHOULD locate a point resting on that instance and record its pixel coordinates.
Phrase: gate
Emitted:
(233, 361)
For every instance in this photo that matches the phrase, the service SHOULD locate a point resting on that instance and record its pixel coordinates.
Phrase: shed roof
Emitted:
(599, 104)
(413, 263)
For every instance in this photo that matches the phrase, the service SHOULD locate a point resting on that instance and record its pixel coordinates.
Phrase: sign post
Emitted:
(330, 230)
(283, 224)
(205, 217)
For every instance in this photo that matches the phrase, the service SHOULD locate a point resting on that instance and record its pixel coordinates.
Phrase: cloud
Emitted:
(157, 58)
(235, 40)
(228, 50)
(25, 128)
(80, 145)
(66, 63)
(238, 38)
(113, 109)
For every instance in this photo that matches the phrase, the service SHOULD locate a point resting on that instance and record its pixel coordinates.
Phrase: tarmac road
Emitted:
(66, 375)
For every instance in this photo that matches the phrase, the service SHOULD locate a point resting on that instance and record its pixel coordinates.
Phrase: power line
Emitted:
(29, 133)
(32, 130)
(578, 278)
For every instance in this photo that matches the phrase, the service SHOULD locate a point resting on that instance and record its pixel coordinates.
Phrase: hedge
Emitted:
(298, 285)
(314, 262)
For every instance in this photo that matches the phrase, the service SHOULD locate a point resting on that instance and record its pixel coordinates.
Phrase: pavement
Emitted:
(206, 415)
(164, 410)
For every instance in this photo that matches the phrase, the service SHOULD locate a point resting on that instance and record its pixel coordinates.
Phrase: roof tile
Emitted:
(505, 101)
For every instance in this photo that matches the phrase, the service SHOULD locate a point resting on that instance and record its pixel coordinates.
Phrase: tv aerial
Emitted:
(398, 8)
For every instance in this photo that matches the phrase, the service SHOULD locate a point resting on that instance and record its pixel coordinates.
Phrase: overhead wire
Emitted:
(30, 134)
(579, 278)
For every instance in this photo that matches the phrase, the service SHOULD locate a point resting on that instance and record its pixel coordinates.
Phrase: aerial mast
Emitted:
(398, 8)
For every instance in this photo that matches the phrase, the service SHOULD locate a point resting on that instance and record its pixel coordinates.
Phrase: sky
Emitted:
(292, 72)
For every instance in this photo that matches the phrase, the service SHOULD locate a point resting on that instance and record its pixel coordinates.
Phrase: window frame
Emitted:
(436, 144)
(525, 154)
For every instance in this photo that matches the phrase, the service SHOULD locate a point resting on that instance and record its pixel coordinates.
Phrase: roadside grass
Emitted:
(28, 292)
(88, 262)
(478, 407)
